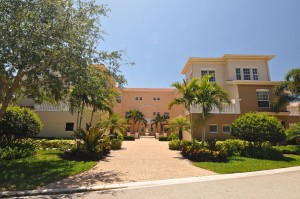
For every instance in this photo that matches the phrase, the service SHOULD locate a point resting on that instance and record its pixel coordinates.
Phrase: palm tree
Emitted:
(209, 95)
(135, 117)
(288, 90)
(113, 124)
(179, 125)
(159, 120)
(188, 92)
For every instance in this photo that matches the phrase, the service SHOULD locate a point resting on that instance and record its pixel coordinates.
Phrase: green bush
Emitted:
(163, 138)
(116, 143)
(18, 149)
(18, 123)
(175, 144)
(289, 149)
(129, 138)
(258, 128)
(57, 144)
(268, 153)
(173, 136)
(293, 134)
(232, 146)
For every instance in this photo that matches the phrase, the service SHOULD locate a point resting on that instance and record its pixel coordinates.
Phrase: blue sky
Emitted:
(160, 35)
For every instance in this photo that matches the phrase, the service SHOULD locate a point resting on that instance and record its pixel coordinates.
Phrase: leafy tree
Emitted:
(179, 125)
(258, 128)
(159, 121)
(114, 124)
(136, 117)
(46, 47)
(188, 95)
(93, 91)
(293, 134)
(288, 90)
(209, 95)
(18, 123)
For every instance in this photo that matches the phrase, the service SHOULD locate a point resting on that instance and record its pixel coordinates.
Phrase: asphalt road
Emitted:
(281, 186)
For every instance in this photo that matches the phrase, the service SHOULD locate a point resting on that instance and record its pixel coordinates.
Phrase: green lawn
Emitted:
(238, 164)
(32, 172)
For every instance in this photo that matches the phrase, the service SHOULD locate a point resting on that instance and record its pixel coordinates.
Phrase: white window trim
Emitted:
(223, 129)
(214, 131)
(251, 73)
(264, 90)
(207, 70)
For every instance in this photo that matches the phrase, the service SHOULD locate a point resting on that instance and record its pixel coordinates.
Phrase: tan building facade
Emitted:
(246, 78)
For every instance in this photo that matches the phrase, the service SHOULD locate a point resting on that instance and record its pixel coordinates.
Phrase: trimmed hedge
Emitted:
(268, 153)
(57, 144)
(173, 136)
(232, 146)
(18, 149)
(204, 155)
(175, 144)
(289, 149)
(129, 138)
(116, 144)
(163, 138)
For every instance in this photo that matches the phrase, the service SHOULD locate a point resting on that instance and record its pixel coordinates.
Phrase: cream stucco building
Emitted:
(246, 78)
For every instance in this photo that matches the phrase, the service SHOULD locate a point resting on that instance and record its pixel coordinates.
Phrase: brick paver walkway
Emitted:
(140, 160)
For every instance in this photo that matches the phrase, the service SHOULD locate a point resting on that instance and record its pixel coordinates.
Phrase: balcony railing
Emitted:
(294, 110)
(233, 108)
(50, 107)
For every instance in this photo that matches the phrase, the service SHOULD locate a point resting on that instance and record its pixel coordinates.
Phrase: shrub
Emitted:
(58, 144)
(205, 155)
(293, 134)
(173, 136)
(129, 138)
(116, 144)
(163, 138)
(18, 149)
(258, 128)
(268, 153)
(232, 146)
(175, 144)
(289, 149)
(18, 123)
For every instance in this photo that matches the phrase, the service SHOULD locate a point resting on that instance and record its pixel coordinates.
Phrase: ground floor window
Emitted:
(263, 99)
(226, 129)
(69, 126)
(213, 128)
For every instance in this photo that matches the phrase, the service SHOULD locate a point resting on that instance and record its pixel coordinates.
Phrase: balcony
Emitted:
(233, 108)
(62, 107)
(294, 110)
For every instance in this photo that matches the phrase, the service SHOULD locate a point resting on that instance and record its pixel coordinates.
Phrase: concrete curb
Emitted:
(134, 185)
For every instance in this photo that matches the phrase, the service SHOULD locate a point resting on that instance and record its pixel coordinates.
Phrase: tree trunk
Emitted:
(180, 135)
(203, 135)
(77, 121)
(94, 110)
(81, 113)
(10, 92)
(192, 134)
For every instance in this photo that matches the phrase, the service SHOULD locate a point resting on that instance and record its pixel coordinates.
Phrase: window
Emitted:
(246, 72)
(238, 73)
(167, 115)
(263, 99)
(158, 98)
(154, 98)
(69, 126)
(209, 72)
(213, 128)
(136, 98)
(255, 73)
(154, 113)
(226, 129)
(141, 98)
(158, 113)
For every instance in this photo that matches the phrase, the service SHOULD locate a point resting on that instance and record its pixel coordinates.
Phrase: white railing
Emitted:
(294, 110)
(233, 108)
(51, 107)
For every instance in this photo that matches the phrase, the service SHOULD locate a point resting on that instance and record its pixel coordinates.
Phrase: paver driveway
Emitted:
(140, 160)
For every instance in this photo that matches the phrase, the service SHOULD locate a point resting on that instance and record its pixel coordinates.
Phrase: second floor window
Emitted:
(263, 99)
(209, 72)
(246, 72)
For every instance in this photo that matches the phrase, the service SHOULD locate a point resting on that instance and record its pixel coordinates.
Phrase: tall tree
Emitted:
(288, 90)
(46, 46)
(188, 95)
(209, 95)
(136, 117)
(178, 125)
(159, 121)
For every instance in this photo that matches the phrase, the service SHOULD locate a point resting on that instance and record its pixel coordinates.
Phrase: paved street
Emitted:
(281, 186)
(141, 160)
